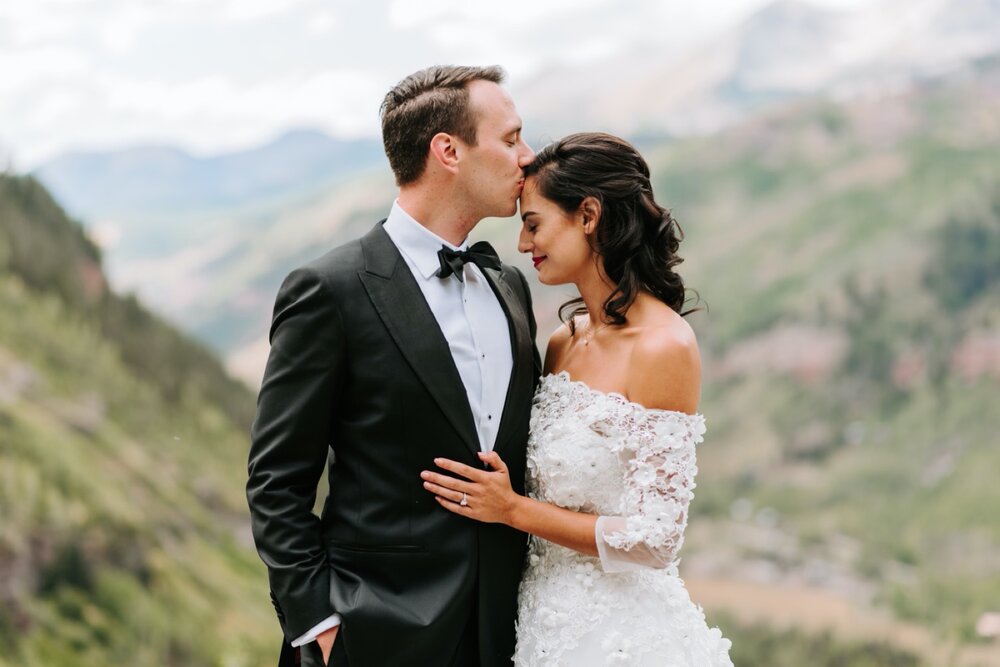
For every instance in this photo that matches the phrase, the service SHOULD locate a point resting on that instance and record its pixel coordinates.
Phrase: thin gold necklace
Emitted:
(591, 331)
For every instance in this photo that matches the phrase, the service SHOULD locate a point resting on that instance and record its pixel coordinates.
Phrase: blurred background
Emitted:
(835, 165)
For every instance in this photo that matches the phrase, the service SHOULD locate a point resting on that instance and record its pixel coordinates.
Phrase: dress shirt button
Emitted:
(489, 416)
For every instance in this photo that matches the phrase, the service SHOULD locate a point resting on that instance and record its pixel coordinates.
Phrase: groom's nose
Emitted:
(526, 156)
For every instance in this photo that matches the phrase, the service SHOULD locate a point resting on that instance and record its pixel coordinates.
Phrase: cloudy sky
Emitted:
(214, 75)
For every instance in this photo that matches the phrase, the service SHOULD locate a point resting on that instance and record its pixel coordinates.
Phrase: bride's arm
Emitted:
(659, 455)
(659, 483)
(659, 480)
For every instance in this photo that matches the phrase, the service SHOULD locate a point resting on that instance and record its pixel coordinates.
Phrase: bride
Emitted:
(614, 425)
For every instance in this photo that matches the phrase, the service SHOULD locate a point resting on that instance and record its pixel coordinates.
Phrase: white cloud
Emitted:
(31, 23)
(592, 48)
(58, 106)
(215, 74)
(120, 31)
(336, 95)
(321, 22)
(214, 113)
(252, 10)
(33, 68)
(408, 14)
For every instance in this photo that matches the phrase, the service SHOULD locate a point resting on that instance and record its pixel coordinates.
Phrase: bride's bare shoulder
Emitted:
(558, 342)
(665, 366)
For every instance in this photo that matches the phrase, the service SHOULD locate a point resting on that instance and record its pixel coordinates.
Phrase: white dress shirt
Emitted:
(472, 321)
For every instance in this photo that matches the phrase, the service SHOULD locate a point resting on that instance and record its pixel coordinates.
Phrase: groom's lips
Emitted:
(538, 260)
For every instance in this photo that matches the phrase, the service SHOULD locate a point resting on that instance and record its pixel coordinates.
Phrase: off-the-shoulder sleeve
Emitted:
(658, 449)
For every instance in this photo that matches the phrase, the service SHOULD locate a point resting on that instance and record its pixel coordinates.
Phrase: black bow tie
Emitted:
(481, 254)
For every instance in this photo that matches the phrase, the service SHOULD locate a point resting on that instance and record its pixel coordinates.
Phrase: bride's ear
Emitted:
(590, 210)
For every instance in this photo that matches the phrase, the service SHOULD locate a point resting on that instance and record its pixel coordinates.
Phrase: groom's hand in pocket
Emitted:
(325, 640)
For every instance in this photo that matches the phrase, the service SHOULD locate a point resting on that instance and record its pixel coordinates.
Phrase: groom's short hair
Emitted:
(432, 100)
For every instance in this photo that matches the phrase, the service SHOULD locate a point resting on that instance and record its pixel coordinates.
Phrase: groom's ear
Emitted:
(444, 151)
(590, 210)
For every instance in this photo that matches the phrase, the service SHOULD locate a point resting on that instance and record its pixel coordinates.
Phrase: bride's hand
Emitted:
(488, 494)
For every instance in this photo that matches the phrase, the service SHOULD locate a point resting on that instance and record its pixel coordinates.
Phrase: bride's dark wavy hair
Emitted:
(636, 238)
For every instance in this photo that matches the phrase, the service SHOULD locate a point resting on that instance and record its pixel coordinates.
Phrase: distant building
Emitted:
(988, 625)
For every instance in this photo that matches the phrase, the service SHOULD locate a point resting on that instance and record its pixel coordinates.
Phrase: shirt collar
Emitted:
(419, 244)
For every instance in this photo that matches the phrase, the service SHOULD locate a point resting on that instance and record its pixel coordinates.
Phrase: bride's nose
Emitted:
(524, 241)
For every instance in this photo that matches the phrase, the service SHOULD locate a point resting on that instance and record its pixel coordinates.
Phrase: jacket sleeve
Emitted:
(290, 442)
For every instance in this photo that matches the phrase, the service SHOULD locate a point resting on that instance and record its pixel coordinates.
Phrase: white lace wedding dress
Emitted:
(603, 454)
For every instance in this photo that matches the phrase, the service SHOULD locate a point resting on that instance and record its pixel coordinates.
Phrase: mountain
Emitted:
(785, 51)
(217, 275)
(203, 239)
(124, 537)
(120, 184)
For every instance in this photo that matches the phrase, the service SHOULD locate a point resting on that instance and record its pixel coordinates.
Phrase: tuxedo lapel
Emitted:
(408, 319)
(520, 343)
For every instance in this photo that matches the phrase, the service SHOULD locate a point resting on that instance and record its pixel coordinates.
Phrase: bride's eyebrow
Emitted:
(526, 215)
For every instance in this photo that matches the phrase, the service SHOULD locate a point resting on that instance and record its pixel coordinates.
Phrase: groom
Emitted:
(387, 352)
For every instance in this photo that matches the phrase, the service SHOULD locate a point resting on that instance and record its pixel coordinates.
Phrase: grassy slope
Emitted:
(124, 533)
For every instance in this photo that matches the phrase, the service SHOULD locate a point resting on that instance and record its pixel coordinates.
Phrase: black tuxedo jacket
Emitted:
(358, 366)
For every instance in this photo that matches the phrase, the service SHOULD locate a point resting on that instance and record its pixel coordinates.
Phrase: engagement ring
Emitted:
(465, 500)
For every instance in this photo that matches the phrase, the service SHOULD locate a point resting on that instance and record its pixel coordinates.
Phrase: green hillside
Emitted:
(850, 258)
(123, 537)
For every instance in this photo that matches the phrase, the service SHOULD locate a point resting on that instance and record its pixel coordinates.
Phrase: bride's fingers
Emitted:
(455, 507)
(494, 461)
(462, 469)
(454, 496)
(447, 482)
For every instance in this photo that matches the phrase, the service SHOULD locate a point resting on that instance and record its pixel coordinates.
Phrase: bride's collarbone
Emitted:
(601, 363)
(606, 373)
(602, 359)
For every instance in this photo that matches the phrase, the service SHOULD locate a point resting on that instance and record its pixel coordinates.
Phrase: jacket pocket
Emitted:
(375, 548)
